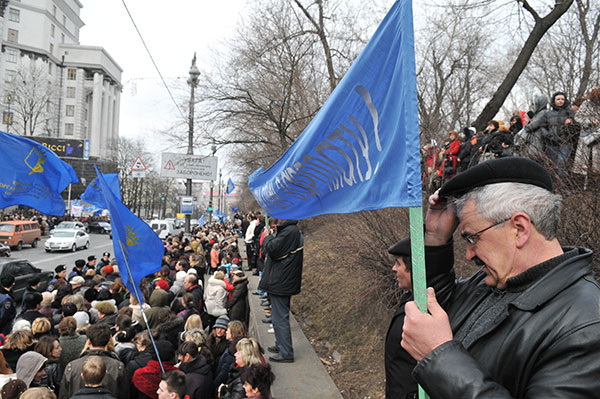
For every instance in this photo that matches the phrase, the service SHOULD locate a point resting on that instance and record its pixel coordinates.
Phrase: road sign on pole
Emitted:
(182, 166)
(187, 205)
(138, 165)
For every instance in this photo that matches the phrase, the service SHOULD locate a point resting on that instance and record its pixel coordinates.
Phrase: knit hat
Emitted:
(162, 284)
(108, 270)
(82, 319)
(13, 389)
(28, 365)
(222, 322)
(77, 280)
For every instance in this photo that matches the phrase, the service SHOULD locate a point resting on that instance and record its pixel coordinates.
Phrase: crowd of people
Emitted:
(562, 134)
(85, 336)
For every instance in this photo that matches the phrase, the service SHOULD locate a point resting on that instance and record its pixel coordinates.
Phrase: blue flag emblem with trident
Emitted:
(230, 186)
(137, 248)
(32, 175)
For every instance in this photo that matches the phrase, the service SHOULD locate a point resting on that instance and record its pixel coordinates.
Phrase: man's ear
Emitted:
(523, 228)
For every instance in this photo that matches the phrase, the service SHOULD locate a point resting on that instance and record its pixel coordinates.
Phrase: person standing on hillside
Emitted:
(282, 278)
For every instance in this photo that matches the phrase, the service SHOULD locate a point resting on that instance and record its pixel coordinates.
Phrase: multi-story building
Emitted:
(51, 85)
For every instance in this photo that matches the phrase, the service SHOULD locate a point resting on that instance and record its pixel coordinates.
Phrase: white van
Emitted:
(164, 227)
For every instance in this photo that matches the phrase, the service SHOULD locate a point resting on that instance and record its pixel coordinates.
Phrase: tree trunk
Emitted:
(539, 30)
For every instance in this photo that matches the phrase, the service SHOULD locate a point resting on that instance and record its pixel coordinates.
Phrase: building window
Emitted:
(69, 129)
(14, 15)
(71, 74)
(54, 11)
(51, 48)
(49, 68)
(70, 110)
(52, 30)
(13, 35)
(70, 92)
(10, 76)
(11, 55)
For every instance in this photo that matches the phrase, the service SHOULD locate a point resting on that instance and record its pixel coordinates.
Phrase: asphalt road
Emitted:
(99, 243)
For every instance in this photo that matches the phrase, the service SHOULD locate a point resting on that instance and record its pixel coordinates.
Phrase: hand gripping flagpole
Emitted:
(135, 288)
(417, 256)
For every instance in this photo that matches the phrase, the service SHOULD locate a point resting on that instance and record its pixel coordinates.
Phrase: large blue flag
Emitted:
(93, 195)
(230, 187)
(32, 175)
(137, 248)
(361, 151)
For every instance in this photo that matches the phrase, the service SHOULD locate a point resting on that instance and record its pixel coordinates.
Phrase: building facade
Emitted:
(51, 85)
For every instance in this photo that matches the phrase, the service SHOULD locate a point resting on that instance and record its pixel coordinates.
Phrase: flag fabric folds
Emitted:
(93, 195)
(230, 187)
(201, 221)
(33, 175)
(361, 151)
(136, 246)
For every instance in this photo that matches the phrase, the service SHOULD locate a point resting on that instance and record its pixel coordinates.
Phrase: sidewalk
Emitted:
(306, 377)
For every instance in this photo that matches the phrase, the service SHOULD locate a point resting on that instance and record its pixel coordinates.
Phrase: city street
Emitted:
(99, 243)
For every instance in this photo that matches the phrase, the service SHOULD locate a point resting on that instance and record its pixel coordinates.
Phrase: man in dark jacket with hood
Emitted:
(282, 278)
(527, 324)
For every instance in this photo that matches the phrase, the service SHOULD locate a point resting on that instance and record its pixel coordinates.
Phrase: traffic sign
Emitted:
(187, 205)
(182, 166)
(138, 174)
(138, 165)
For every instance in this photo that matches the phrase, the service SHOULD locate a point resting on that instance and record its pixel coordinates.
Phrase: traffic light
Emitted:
(209, 207)
(162, 198)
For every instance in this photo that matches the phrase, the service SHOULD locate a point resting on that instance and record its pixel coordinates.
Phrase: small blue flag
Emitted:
(32, 175)
(230, 187)
(201, 221)
(234, 210)
(361, 151)
(93, 195)
(137, 248)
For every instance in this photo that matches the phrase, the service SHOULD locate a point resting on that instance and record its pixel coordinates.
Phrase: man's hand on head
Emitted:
(440, 221)
(423, 332)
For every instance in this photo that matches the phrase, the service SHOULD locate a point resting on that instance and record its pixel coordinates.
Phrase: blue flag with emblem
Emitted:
(93, 195)
(32, 175)
(137, 248)
(201, 221)
(361, 151)
(230, 186)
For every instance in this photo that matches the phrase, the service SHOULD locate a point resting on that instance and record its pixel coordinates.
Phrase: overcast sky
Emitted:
(173, 30)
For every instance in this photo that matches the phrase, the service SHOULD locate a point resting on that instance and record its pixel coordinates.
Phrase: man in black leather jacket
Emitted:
(527, 325)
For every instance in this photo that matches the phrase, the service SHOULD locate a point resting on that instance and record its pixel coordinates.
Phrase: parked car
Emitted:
(99, 227)
(68, 225)
(67, 240)
(16, 233)
(4, 250)
(22, 271)
(165, 227)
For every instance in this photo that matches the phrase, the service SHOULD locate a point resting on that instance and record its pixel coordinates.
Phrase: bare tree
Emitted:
(32, 91)
(540, 27)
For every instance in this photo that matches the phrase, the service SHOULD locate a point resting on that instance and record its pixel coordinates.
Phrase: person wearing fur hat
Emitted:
(60, 278)
(104, 261)
(77, 269)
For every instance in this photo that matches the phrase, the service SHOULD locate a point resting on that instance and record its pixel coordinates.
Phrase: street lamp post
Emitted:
(193, 82)
(212, 187)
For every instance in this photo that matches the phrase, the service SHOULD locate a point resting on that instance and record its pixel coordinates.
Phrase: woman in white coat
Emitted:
(215, 296)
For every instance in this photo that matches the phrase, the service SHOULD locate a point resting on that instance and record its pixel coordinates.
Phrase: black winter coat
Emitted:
(235, 386)
(237, 305)
(138, 361)
(93, 393)
(399, 365)
(546, 345)
(198, 378)
(282, 274)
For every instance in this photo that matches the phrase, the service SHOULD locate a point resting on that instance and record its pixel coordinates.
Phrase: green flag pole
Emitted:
(417, 257)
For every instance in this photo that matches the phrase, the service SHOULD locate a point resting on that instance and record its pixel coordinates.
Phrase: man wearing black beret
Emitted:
(527, 324)
(440, 274)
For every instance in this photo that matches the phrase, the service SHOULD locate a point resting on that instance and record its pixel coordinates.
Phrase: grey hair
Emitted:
(499, 201)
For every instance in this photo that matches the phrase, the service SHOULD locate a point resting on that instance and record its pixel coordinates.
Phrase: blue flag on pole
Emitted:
(201, 221)
(93, 195)
(32, 175)
(361, 151)
(234, 210)
(230, 187)
(137, 248)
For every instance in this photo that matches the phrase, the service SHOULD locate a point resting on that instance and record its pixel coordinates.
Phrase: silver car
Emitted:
(67, 240)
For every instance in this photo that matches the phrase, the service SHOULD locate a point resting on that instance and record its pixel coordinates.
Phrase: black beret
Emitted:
(401, 248)
(79, 263)
(501, 170)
